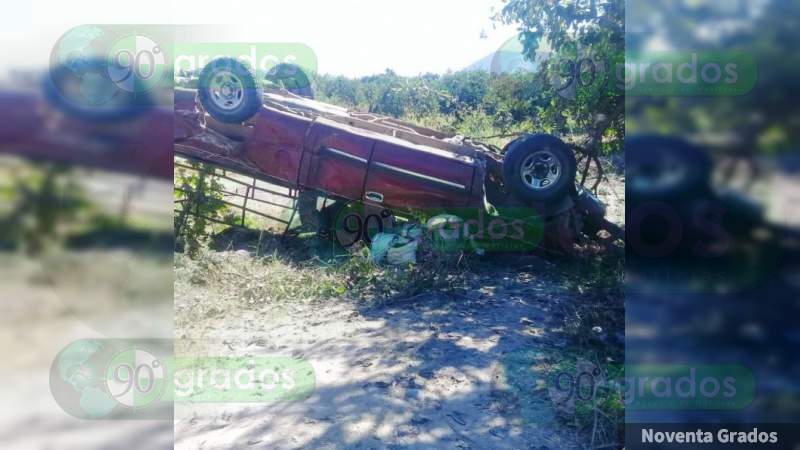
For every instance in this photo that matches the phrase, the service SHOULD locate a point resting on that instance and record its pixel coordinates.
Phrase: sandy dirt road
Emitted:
(430, 371)
(423, 372)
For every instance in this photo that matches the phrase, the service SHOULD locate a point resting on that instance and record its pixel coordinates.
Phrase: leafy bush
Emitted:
(42, 201)
(200, 196)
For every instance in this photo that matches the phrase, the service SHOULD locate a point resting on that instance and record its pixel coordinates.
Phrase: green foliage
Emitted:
(200, 196)
(274, 273)
(474, 104)
(576, 30)
(234, 218)
(44, 201)
(596, 404)
(385, 93)
(260, 280)
(478, 103)
(434, 271)
(287, 76)
(466, 90)
(764, 120)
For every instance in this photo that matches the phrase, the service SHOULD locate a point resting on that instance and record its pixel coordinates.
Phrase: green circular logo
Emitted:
(102, 69)
(358, 221)
(136, 63)
(135, 378)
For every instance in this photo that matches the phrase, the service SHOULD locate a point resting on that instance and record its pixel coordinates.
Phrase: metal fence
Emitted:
(242, 194)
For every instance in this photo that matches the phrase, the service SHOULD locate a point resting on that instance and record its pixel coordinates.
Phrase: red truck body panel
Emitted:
(342, 155)
(276, 145)
(32, 128)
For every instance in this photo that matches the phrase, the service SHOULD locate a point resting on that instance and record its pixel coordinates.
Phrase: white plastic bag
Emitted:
(402, 251)
(380, 245)
(396, 249)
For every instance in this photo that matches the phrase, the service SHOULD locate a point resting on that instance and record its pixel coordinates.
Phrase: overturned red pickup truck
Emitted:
(345, 157)
(334, 157)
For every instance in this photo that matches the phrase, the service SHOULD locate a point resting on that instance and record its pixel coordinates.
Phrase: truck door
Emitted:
(406, 175)
(335, 160)
(276, 144)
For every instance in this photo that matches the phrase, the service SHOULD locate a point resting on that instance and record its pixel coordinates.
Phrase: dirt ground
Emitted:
(45, 313)
(65, 295)
(429, 371)
(424, 372)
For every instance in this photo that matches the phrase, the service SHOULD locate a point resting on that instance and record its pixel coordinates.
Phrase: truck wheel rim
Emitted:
(540, 170)
(226, 91)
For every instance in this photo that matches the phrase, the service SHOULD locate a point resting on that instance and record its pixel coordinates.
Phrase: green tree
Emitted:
(468, 89)
(766, 119)
(578, 95)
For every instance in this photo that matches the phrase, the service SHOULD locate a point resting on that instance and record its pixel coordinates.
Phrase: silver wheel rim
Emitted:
(665, 173)
(540, 170)
(226, 91)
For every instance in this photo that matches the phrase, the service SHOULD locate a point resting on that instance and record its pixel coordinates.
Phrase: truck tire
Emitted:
(344, 222)
(87, 92)
(310, 215)
(292, 78)
(662, 168)
(229, 91)
(539, 167)
(315, 218)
